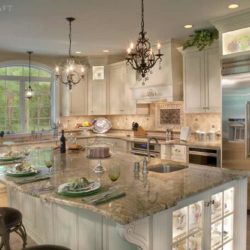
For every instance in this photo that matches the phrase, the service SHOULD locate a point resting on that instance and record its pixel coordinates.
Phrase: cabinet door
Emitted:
(116, 94)
(79, 99)
(97, 94)
(121, 78)
(129, 103)
(179, 153)
(213, 80)
(65, 100)
(194, 93)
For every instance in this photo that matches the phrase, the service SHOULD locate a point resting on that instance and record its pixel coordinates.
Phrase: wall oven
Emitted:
(204, 156)
(140, 148)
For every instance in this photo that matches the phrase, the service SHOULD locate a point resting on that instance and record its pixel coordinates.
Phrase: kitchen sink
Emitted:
(165, 168)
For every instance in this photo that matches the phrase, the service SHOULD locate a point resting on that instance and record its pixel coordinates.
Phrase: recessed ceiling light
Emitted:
(233, 6)
(188, 26)
(105, 51)
(78, 52)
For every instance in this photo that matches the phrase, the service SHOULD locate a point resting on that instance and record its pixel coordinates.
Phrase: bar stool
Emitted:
(11, 221)
(47, 247)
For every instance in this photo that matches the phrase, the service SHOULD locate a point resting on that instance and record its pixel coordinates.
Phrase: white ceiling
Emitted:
(40, 25)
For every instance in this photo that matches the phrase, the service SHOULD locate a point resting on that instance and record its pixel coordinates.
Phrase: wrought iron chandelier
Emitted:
(69, 73)
(141, 56)
(29, 91)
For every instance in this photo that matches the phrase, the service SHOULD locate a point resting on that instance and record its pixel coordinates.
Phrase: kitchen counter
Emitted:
(165, 190)
(122, 136)
(194, 143)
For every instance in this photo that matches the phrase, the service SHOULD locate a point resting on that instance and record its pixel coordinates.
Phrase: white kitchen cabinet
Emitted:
(174, 152)
(78, 99)
(179, 153)
(207, 223)
(74, 102)
(202, 80)
(121, 79)
(97, 95)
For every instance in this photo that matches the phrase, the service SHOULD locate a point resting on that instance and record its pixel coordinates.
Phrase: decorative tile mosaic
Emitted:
(170, 116)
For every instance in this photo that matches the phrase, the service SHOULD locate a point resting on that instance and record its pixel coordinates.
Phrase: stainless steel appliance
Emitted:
(236, 114)
(204, 156)
(140, 148)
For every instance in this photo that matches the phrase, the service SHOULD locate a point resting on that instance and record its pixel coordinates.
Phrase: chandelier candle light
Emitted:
(68, 73)
(29, 91)
(141, 56)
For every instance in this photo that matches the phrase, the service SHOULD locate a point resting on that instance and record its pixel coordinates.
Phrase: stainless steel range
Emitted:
(140, 148)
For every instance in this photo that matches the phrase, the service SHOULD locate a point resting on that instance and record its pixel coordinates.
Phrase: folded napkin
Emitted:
(111, 194)
(30, 179)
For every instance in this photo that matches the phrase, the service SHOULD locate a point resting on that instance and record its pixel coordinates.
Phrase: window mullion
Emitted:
(23, 115)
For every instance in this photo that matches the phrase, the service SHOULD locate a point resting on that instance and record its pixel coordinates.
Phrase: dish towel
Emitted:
(111, 194)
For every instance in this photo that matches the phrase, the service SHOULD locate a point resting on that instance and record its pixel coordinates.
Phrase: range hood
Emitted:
(151, 94)
(165, 83)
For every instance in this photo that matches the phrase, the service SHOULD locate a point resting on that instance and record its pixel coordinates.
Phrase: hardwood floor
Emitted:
(16, 243)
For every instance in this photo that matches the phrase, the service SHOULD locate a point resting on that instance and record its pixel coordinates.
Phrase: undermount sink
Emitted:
(161, 168)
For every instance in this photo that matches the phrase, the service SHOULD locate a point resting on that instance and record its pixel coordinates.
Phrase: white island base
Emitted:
(214, 219)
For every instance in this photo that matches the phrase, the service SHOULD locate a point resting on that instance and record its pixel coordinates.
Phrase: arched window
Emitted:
(18, 114)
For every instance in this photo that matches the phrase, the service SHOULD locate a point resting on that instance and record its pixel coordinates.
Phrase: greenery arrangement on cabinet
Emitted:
(202, 38)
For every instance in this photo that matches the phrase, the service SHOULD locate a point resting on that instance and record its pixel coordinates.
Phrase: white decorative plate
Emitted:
(101, 125)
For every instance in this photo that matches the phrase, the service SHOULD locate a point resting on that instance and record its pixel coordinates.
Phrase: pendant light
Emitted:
(68, 73)
(141, 56)
(29, 91)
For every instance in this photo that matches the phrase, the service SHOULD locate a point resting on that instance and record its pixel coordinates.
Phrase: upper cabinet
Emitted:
(202, 80)
(97, 91)
(165, 80)
(121, 79)
(74, 102)
(79, 98)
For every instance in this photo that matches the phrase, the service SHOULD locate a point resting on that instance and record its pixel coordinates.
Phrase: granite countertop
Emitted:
(144, 197)
(122, 136)
(206, 144)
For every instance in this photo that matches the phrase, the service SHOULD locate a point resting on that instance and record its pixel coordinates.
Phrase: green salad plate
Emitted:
(67, 190)
(14, 173)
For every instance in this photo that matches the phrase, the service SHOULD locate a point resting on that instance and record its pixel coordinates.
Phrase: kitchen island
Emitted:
(193, 208)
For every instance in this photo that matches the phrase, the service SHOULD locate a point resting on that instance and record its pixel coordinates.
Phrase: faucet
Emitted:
(148, 145)
(145, 160)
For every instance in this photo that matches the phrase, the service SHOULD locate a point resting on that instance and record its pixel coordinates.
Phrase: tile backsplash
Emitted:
(162, 116)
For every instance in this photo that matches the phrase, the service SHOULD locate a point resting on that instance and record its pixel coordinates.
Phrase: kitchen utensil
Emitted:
(135, 126)
(107, 196)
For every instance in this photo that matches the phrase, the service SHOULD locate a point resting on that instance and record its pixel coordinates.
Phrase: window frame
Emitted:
(53, 88)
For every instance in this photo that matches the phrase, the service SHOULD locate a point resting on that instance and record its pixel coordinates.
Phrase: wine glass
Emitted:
(114, 173)
(49, 159)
